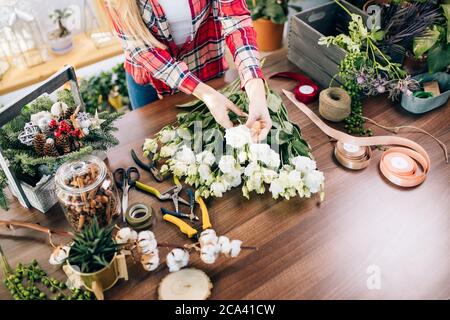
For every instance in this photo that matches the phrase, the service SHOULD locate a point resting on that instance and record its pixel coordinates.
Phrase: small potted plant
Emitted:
(269, 17)
(94, 259)
(61, 39)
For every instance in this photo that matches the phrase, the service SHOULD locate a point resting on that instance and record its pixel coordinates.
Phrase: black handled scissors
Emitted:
(126, 179)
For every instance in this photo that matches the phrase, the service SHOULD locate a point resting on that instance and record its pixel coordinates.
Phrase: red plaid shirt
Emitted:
(215, 22)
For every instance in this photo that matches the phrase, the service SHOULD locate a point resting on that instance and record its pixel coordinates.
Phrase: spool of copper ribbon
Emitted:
(400, 165)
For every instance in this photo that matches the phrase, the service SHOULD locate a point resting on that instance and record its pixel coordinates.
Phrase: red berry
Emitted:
(57, 134)
(53, 123)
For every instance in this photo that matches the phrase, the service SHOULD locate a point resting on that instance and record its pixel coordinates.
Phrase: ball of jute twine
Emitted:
(335, 104)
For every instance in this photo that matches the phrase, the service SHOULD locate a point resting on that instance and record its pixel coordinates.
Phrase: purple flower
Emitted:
(360, 79)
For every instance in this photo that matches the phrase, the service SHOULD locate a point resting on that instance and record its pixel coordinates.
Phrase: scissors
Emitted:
(126, 179)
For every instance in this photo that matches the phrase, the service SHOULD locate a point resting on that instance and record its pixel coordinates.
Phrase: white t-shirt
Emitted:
(178, 14)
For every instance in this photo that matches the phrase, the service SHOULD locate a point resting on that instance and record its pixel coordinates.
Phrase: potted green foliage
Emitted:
(94, 259)
(269, 17)
(61, 39)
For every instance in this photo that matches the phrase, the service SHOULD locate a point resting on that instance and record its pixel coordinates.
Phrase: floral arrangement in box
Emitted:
(48, 133)
(193, 149)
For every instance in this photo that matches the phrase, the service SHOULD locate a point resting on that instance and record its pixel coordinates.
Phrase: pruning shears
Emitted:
(192, 232)
(191, 216)
(172, 193)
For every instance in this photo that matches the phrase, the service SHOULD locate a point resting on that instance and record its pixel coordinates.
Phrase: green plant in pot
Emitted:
(61, 39)
(269, 17)
(94, 259)
(434, 46)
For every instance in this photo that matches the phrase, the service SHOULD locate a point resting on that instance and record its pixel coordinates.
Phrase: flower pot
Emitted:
(414, 66)
(269, 36)
(62, 45)
(99, 281)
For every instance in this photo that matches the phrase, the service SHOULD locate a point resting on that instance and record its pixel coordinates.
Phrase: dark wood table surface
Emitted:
(306, 250)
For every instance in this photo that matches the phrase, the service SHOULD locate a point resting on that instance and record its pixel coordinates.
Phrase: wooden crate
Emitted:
(41, 196)
(321, 63)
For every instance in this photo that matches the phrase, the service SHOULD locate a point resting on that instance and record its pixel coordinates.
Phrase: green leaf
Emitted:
(422, 45)
(288, 127)
(439, 58)
(446, 8)
(274, 102)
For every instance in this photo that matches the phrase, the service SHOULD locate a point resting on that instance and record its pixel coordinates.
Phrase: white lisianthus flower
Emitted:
(204, 171)
(303, 164)
(274, 161)
(164, 169)
(276, 188)
(295, 178)
(268, 175)
(186, 155)
(218, 188)
(168, 151)
(150, 145)
(206, 157)
(313, 180)
(251, 168)
(242, 156)
(180, 169)
(260, 152)
(227, 164)
(238, 137)
(192, 170)
(234, 179)
(167, 135)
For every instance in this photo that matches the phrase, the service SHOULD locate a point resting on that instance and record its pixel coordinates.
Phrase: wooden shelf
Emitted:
(84, 53)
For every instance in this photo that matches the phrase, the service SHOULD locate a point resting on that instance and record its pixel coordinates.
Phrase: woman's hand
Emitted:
(218, 104)
(259, 118)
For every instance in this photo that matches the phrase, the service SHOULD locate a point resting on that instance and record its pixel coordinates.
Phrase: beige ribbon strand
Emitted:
(415, 151)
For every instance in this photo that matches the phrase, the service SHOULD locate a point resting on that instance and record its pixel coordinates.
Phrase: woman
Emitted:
(173, 45)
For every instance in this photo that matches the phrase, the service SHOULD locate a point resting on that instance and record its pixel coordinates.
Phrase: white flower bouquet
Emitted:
(214, 160)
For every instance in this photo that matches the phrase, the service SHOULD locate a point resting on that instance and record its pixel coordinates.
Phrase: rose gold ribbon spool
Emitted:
(402, 172)
(351, 156)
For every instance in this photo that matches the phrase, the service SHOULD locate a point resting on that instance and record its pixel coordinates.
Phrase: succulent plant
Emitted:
(93, 248)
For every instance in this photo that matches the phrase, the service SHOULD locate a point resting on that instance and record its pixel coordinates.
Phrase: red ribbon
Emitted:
(306, 92)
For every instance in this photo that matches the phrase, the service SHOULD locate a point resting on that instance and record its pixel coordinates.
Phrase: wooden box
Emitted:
(321, 63)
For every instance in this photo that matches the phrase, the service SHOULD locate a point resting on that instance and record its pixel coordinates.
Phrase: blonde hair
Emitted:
(126, 14)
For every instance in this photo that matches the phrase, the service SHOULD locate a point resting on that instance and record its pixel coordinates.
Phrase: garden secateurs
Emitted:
(192, 232)
(172, 193)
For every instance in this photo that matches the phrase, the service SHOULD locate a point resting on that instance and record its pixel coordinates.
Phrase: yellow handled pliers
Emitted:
(191, 232)
(172, 193)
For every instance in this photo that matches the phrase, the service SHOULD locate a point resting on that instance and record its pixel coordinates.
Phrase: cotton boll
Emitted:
(177, 259)
(133, 236)
(148, 245)
(235, 248)
(150, 261)
(208, 237)
(59, 255)
(146, 235)
(209, 253)
(225, 245)
(123, 235)
(58, 108)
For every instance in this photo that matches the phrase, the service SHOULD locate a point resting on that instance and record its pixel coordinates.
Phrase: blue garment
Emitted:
(140, 95)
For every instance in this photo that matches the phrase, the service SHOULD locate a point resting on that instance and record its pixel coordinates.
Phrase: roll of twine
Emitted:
(335, 104)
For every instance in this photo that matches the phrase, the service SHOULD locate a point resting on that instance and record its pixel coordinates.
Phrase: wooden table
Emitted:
(17, 78)
(306, 250)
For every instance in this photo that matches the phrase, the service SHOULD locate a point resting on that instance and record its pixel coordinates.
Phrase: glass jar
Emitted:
(86, 190)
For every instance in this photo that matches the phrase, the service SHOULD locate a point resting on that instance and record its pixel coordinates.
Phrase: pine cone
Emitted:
(39, 143)
(63, 144)
(69, 111)
(50, 149)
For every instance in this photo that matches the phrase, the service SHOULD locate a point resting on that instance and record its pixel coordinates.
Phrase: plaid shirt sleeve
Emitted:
(158, 63)
(240, 38)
